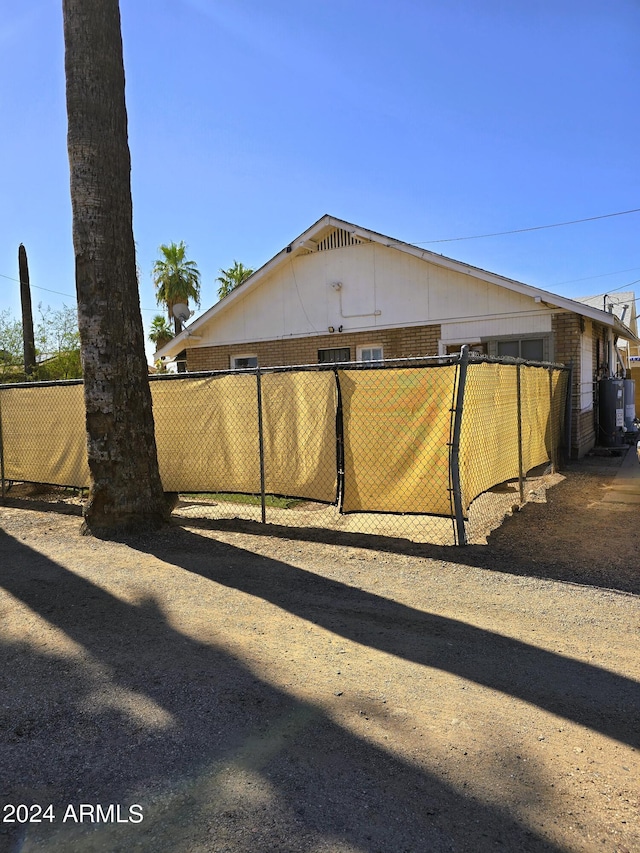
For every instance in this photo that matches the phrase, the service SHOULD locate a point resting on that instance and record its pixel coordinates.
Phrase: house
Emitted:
(340, 292)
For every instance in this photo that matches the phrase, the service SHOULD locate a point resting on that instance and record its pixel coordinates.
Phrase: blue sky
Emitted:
(248, 120)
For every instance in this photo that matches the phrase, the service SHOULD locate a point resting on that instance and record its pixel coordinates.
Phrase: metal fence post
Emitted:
(2, 457)
(553, 449)
(568, 404)
(339, 442)
(520, 471)
(263, 503)
(461, 534)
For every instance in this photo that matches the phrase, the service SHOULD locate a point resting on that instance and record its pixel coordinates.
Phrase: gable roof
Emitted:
(329, 232)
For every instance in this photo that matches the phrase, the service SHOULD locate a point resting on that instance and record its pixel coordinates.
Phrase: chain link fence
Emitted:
(410, 448)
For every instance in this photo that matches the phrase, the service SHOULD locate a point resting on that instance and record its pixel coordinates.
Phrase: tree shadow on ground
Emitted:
(586, 694)
(136, 711)
(564, 539)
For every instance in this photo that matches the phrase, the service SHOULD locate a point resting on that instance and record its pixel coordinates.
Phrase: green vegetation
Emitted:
(161, 332)
(177, 280)
(57, 346)
(252, 500)
(232, 278)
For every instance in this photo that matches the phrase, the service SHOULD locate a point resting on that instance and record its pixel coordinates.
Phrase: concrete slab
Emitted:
(613, 497)
(625, 488)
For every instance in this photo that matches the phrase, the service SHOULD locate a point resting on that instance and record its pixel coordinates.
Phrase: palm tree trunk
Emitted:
(126, 491)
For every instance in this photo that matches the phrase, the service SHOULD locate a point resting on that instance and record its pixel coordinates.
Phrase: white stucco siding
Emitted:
(354, 268)
(248, 318)
(401, 284)
(381, 287)
(457, 296)
(407, 290)
(477, 330)
(298, 299)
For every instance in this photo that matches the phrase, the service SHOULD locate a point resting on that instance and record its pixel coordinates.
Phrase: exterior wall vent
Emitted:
(337, 239)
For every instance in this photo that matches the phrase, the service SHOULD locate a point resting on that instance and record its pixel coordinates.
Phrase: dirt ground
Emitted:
(227, 687)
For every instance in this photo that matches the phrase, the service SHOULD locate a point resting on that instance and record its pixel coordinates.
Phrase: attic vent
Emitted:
(337, 239)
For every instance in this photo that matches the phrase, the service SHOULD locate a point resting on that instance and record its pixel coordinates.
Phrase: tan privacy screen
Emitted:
(396, 434)
(397, 429)
(208, 440)
(536, 412)
(299, 424)
(207, 434)
(489, 433)
(44, 435)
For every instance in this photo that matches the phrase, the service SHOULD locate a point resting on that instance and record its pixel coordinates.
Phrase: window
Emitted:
(479, 349)
(530, 348)
(330, 356)
(509, 348)
(370, 352)
(181, 361)
(242, 362)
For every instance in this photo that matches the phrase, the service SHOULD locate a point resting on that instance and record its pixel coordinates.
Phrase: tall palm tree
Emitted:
(161, 332)
(232, 278)
(176, 279)
(125, 491)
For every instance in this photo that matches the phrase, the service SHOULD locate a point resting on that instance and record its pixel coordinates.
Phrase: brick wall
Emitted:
(412, 341)
(566, 350)
(566, 334)
(397, 343)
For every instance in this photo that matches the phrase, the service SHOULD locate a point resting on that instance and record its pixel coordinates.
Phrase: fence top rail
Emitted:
(479, 358)
(387, 363)
(415, 361)
(48, 383)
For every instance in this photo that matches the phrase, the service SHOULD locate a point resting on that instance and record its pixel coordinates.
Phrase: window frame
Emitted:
(547, 350)
(335, 349)
(359, 350)
(478, 347)
(240, 356)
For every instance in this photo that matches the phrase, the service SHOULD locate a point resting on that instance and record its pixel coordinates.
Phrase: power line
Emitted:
(590, 277)
(58, 292)
(36, 287)
(622, 286)
(613, 289)
(534, 228)
(611, 301)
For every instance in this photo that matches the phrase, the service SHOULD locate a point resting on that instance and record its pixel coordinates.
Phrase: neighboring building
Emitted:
(340, 292)
(623, 305)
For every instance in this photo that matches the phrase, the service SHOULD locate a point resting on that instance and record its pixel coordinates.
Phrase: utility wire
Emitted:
(36, 287)
(590, 277)
(613, 289)
(58, 292)
(534, 228)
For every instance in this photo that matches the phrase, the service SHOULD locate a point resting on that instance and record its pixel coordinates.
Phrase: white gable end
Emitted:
(384, 284)
(359, 287)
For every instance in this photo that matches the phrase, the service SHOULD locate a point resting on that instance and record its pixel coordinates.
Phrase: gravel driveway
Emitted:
(223, 687)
